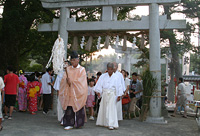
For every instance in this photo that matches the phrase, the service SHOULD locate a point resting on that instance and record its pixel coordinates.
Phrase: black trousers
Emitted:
(47, 102)
(74, 119)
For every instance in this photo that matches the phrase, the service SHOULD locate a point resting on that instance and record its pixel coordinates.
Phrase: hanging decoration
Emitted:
(75, 44)
(57, 55)
(142, 42)
(82, 42)
(124, 47)
(117, 41)
(107, 41)
(89, 44)
(134, 42)
(98, 43)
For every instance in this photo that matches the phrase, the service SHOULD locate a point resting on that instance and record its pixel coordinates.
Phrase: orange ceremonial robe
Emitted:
(74, 95)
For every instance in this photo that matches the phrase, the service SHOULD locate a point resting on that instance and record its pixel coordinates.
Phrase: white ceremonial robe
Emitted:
(123, 88)
(108, 87)
(60, 111)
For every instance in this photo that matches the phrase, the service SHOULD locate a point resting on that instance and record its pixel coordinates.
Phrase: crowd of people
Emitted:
(108, 96)
(23, 93)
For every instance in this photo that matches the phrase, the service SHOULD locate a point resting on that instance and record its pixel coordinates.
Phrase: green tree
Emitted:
(195, 63)
(18, 36)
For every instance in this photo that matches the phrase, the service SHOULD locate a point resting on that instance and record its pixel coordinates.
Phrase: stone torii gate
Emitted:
(154, 23)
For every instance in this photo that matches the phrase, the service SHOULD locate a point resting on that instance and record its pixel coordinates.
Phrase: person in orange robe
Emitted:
(73, 94)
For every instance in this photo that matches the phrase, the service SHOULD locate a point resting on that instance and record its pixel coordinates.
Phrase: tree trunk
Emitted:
(175, 64)
(175, 59)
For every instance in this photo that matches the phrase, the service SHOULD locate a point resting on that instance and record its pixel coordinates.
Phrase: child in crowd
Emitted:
(40, 98)
(33, 91)
(91, 98)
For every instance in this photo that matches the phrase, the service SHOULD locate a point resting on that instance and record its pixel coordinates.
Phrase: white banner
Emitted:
(186, 63)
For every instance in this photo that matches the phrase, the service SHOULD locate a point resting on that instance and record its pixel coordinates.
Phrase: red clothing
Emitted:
(33, 100)
(11, 81)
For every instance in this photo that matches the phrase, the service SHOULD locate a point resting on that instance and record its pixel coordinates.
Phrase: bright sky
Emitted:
(1, 9)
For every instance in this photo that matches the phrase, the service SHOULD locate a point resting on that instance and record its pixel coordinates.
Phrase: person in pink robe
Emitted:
(73, 94)
(22, 97)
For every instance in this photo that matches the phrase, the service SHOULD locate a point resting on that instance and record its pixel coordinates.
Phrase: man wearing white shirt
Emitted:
(46, 86)
(182, 98)
(123, 89)
(108, 87)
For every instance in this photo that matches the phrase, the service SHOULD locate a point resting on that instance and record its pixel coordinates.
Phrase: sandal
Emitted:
(33, 113)
(6, 116)
(1, 128)
(173, 115)
(184, 116)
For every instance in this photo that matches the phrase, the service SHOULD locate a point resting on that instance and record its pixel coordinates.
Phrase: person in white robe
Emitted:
(108, 87)
(123, 89)
(60, 111)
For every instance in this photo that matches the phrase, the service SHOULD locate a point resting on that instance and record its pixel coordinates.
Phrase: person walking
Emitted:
(181, 98)
(109, 87)
(73, 94)
(11, 81)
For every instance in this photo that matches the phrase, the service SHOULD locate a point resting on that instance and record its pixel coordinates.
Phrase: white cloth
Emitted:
(109, 86)
(107, 115)
(91, 90)
(119, 110)
(77, 66)
(123, 88)
(45, 86)
(121, 80)
(57, 56)
(181, 87)
(59, 77)
(127, 82)
(60, 111)
(107, 82)
(2, 85)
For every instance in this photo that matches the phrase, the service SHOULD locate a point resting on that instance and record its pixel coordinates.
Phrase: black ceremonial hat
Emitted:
(74, 55)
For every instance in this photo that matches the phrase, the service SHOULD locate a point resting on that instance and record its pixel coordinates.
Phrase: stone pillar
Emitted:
(127, 63)
(155, 65)
(107, 13)
(62, 30)
(55, 97)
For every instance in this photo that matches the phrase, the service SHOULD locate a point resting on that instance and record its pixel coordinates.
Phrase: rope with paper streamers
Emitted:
(57, 56)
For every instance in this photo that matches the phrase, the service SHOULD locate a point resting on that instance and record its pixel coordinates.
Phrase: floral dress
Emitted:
(91, 97)
(22, 98)
(33, 91)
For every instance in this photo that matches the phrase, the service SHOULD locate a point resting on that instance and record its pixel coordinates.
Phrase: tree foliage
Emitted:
(19, 38)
